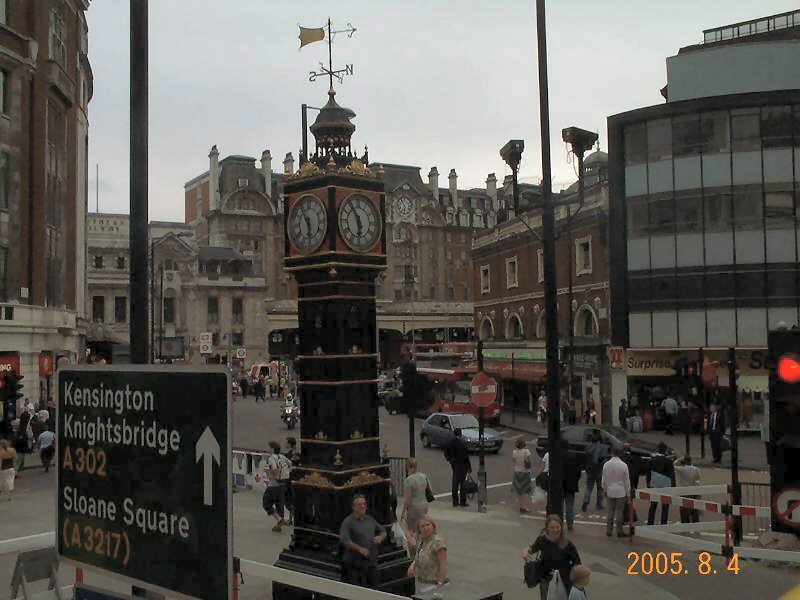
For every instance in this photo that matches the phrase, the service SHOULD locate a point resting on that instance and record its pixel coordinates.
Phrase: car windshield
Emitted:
(464, 422)
(617, 432)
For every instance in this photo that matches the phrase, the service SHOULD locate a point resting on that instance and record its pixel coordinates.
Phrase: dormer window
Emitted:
(243, 182)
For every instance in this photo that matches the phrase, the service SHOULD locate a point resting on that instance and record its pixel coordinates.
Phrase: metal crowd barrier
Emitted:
(756, 494)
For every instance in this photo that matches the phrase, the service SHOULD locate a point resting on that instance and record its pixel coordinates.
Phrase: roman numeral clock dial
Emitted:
(308, 223)
(360, 223)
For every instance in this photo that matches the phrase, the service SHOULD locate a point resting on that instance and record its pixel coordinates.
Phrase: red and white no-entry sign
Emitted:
(484, 390)
(786, 507)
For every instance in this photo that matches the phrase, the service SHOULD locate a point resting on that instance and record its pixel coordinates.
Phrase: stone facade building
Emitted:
(45, 88)
(427, 287)
(195, 290)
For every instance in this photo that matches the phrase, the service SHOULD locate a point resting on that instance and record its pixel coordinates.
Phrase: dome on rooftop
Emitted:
(595, 157)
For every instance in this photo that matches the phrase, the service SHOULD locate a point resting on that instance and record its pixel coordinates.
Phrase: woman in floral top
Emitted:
(430, 563)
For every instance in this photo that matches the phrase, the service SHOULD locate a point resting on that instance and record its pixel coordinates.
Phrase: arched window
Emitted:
(514, 327)
(541, 326)
(585, 322)
(487, 329)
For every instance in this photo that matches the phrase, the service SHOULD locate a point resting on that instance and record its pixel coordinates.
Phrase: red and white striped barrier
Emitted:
(675, 497)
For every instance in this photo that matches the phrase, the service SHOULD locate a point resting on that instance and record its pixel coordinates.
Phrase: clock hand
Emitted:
(308, 223)
(358, 222)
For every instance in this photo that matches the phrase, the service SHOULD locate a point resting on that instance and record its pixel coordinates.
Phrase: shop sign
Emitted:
(585, 362)
(519, 353)
(650, 364)
(9, 361)
(616, 358)
(45, 364)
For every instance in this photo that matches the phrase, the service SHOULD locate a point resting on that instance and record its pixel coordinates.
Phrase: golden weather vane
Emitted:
(311, 35)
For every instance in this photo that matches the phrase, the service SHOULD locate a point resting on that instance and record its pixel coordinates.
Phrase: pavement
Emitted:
(483, 550)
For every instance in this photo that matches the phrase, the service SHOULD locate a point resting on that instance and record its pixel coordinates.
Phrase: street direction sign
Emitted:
(484, 389)
(144, 476)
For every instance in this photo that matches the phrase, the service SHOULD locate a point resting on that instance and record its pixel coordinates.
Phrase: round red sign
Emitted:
(483, 389)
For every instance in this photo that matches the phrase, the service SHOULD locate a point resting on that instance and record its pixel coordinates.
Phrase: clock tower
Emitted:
(335, 247)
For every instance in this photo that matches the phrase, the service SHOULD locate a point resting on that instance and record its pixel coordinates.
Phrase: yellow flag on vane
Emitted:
(309, 36)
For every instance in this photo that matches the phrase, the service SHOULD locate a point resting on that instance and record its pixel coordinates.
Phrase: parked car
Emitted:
(579, 436)
(438, 428)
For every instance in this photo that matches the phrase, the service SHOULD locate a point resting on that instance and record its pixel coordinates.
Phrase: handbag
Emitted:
(543, 480)
(470, 486)
(532, 570)
(429, 493)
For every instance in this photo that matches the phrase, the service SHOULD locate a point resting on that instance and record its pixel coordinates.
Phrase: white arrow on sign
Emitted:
(207, 448)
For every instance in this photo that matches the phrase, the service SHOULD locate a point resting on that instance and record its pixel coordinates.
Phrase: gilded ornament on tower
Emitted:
(337, 459)
(356, 435)
(321, 436)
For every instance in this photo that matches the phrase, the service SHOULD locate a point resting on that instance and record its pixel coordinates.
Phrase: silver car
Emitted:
(437, 430)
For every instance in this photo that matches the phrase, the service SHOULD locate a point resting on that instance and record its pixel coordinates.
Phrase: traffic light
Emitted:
(784, 419)
(417, 389)
(11, 393)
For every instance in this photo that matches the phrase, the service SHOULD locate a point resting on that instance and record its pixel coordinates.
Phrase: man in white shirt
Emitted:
(616, 484)
(47, 447)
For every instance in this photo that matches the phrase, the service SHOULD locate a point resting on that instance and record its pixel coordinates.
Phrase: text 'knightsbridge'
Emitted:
(110, 429)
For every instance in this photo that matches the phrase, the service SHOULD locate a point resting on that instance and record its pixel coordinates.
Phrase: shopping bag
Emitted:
(556, 589)
(399, 536)
(538, 495)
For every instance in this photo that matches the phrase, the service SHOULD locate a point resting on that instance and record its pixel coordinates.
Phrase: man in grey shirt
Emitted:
(360, 536)
(670, 406)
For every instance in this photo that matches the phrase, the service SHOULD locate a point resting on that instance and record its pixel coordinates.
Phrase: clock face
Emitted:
(359, 223)
(403, 206)
(308, 223)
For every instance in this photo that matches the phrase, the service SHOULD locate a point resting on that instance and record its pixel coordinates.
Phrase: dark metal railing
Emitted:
(756, 26)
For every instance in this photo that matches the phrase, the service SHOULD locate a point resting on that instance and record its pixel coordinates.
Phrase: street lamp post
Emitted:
(555, 496)
(581, 141)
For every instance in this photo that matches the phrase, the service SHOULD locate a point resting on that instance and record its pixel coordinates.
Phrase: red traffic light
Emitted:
(789, 369)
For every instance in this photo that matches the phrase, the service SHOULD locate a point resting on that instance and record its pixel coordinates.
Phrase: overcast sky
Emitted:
(435, 82)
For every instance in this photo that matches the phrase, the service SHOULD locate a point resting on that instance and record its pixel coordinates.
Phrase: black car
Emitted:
(580, 436)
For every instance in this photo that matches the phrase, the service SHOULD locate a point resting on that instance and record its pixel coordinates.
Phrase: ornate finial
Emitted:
(330, 166)
(337, 459)
(333, 272)
(321, 436)
(356, 435)
(386, 451)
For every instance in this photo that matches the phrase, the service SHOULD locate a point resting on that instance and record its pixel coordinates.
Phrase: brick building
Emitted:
(45, 88)
(509, 294)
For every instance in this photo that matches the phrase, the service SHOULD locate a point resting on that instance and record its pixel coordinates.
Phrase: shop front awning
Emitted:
(531, 372)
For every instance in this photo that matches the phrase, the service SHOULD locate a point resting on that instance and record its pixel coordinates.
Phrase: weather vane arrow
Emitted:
(311, 35)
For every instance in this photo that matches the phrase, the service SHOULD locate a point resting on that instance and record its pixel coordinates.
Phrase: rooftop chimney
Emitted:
(213, 178)
(266, 171)
(491, 190)
(453, 177)
(433, 183)
(288, 164)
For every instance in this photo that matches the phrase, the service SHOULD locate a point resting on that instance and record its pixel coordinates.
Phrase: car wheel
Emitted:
(425, 441)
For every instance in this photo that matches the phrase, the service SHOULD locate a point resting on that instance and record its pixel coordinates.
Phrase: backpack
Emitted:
(284, 468)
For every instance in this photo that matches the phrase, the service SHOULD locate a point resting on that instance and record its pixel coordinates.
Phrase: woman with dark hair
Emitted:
(556, 555)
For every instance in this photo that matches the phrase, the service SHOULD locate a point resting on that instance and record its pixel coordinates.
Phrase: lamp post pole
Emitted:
(555, 496)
